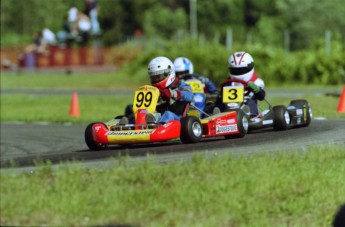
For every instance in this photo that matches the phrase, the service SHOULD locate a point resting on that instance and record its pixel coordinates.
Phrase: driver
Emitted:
(174, 93)
(241, 66)
(185, 71)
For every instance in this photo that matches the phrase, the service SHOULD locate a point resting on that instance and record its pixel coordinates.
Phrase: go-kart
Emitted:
(189, 129)
(202, 103)
(199, 99)
(234, 95)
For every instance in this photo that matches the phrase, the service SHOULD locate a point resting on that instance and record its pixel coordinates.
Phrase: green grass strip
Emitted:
(264, 189)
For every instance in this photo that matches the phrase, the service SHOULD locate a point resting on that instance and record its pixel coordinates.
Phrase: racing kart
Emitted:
(203, 102)
(189, 129)
(234, 95)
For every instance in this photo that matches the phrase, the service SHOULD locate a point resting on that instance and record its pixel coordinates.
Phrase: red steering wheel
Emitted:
(235, 80)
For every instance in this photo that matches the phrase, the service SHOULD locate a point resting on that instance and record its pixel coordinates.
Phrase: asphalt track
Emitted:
(24, 144)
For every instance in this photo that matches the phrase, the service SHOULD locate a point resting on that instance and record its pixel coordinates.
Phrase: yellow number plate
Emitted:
(145, 97)
(196, 86)
(233, 94)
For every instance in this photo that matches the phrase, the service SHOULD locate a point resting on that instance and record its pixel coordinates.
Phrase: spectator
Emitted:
(36, 42)
(83, 27)
(91, 10)
(64, 36)
(72, 20)
(40, 41)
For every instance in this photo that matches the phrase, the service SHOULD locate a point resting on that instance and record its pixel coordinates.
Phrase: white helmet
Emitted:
(161, 72)
(183, 66)
(241, 66)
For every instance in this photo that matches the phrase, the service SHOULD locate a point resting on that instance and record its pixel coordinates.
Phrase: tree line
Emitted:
(264, 21)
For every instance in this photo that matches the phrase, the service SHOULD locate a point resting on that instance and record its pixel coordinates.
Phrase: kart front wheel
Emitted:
(281, 118)
(191, 129)
(90, 142)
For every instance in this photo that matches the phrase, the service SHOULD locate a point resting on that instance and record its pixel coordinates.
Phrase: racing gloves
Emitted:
(255, 88)
(167, 94)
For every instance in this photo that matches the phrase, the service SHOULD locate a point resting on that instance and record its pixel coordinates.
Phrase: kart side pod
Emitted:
(188, 129)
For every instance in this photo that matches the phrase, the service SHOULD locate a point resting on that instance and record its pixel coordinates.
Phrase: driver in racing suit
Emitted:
(185, 71)
(174, 93)
(241, 66)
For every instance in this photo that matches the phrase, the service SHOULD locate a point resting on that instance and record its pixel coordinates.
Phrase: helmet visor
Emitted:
(182, 73)
(159, 76)
(241, 70)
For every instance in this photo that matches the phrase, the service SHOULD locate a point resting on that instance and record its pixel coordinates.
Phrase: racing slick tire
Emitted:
(191, 129)
(304, 105)
(242, 125)
(281, 118)
(90, 141)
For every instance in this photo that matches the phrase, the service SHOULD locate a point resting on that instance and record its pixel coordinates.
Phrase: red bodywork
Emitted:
(221, 124)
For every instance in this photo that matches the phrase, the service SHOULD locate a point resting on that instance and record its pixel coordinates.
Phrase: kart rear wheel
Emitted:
(191, 129)
(281, 118)
(242, 125)
(304, 105)
(90, 141)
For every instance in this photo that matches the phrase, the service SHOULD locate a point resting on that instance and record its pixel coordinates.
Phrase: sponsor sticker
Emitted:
(299, 111)
(267, 122)
(129, 133)
(220, 122)
(226, 128)
(230, 121)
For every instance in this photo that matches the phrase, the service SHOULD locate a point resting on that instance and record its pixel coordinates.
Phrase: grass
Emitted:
(36, 108)
(32, 108)
(55, 108)
(40, 80)
(280, 189)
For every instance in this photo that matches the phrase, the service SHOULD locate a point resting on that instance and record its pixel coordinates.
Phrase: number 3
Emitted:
(233, 94)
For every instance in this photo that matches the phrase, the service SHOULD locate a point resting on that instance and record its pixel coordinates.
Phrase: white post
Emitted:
(328, 42)
(216, 37)
(193, 18)
(229, 39)
(249, 37)
(287, 41)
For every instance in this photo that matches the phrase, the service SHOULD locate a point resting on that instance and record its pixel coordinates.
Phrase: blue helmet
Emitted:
(183, 65)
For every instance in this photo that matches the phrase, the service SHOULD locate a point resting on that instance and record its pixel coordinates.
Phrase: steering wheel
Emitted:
(235, 80)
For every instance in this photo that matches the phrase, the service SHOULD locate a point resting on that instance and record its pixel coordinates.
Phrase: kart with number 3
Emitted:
(297, 114)
(189, 129)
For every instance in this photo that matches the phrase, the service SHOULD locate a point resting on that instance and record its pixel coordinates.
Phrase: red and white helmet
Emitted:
(161, 72)
(241, 66)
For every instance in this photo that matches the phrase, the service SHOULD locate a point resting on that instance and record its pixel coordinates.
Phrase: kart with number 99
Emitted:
(189, 129)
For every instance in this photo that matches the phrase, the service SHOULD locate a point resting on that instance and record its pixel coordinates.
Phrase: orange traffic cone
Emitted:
(74, 111)
(341, 105)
